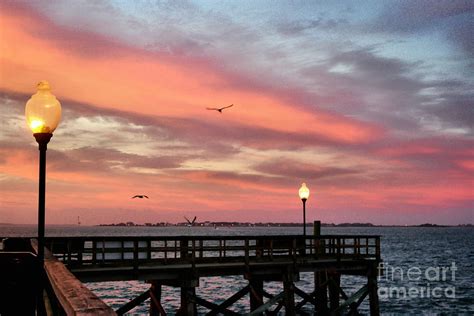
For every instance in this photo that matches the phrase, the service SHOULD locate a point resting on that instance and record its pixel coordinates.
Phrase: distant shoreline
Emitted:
(239, 224)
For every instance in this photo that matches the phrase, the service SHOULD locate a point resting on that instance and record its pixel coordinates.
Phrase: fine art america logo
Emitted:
(428, 282)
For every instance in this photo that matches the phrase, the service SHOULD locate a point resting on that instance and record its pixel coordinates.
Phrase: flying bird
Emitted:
(219, 109)
(191, 223)
(139, 196)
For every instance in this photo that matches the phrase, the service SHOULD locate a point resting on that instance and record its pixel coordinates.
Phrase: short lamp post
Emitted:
(304, 195)
(43, 113)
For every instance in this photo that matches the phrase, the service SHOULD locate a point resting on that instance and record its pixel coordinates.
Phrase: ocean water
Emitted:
(427, 270)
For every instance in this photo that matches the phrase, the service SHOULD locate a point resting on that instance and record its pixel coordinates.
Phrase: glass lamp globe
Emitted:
(304, 192)
(43, 110)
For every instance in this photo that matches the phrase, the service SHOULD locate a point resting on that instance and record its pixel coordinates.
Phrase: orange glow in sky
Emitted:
(378, 136)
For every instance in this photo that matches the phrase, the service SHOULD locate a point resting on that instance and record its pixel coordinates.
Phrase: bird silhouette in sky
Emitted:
(139, 196)
(191, 223)
(219, 109)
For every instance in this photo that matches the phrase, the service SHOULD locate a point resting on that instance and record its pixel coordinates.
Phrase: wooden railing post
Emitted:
(94, 252)
(148, 249)
(246, 251)
(293, 249)
(193, 254)
(165, 244)
(271, 249)
(355, 247)
(103, 250)
(377, 248)
(220, 248)
(184, 248)
(317, 228)
(135, 254)
(81, 252)
(69, 249)
(338, 246)
(317, 237)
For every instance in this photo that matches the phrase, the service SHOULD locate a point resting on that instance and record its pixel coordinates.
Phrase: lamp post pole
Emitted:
(304, 216)
(42, 139)
(303, 192)
(43, 113)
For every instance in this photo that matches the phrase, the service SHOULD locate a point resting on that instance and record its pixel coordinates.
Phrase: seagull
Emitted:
(140, 196)
(219, 109)
(191, 223)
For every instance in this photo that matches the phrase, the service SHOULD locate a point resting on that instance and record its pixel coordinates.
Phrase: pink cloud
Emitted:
(166, 95)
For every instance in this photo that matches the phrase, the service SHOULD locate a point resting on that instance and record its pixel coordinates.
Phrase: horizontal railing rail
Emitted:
(201, 249)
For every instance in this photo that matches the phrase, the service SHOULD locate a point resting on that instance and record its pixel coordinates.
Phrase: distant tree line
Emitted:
(270, 224)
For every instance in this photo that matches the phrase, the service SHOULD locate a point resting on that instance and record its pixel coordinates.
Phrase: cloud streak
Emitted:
(319, 98)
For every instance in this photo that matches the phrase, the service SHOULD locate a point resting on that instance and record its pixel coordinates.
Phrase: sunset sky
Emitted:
(368, 102)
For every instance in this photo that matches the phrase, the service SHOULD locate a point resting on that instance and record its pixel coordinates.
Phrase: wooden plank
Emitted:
(75, 298)
(274, 300)
(362, 292)
(212, 306)
(355, 305)
(222, 307)
(305, 297)
(157, 304)
(133, 303)
(155, 271)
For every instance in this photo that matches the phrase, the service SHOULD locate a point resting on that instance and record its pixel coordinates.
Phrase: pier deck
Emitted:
(180, 261)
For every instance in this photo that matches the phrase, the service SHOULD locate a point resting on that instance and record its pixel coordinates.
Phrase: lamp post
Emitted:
(43, 113)
(304, 195)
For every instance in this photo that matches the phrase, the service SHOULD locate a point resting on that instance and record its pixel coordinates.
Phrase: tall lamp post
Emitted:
(43, 113)
(304, 195)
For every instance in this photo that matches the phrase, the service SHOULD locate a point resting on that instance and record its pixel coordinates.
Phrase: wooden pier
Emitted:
(180, 261)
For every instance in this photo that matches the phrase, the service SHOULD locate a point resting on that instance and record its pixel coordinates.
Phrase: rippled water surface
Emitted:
(427, 270)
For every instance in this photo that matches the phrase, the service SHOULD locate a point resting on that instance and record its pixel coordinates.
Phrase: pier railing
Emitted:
(27, 289)
(202, 249)
(179, 261)
(65, 294)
